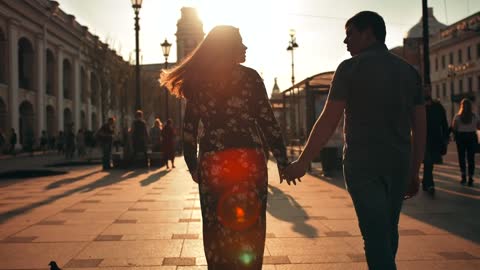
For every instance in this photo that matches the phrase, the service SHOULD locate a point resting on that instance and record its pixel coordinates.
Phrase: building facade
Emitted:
(455, 64)
(454, 59)
(48, 78)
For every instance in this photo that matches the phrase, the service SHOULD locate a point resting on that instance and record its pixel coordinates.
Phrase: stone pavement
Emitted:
(90, 219)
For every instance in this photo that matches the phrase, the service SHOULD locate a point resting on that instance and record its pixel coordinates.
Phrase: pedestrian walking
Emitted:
(156, 136)
(465, 126)
(381, 98)
(104, 136)
(81, 146)
(43, 141)
(168, 141)
(139, 135)
(437, 139)
(69, 142)
(3, 141)
(231, 101)
(12, 142)
(61, 143)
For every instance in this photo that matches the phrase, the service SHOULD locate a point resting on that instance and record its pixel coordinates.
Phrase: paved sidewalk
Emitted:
(90, 219)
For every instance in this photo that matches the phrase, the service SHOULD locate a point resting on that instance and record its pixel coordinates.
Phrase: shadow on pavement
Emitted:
(285, 203)
(62, 182)
(112, 177)
(153, 178)
(453, 208)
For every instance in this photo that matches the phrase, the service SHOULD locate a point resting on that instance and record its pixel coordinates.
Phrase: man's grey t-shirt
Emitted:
(381, 91)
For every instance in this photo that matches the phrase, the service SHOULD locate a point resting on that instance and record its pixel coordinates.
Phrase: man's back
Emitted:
(381, 92)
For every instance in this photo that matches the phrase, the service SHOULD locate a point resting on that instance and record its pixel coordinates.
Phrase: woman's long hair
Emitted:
(210, 60)
(465, 111)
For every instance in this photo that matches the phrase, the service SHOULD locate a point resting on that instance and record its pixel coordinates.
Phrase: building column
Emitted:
(13, 73)
(41, 67)
(89, 101)
(76, 93)
(60, 88)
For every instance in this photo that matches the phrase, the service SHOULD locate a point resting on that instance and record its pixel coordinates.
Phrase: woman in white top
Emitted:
(465, 125)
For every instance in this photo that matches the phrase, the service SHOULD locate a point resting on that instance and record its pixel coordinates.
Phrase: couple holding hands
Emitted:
(382, 101)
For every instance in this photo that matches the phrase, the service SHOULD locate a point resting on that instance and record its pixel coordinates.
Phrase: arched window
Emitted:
(67, 119)
(67, 80)
(51, 127)
(3, 116)
(83, 86)
(94, 89)
(26, 121)
(3, 57)
(26, 64)
(50, 85)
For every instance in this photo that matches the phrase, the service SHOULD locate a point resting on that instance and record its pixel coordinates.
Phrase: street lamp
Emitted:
(166, 51)
(137, 4)
(292, 45)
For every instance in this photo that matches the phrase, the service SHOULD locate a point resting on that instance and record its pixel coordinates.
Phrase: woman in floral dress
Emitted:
(231, 102)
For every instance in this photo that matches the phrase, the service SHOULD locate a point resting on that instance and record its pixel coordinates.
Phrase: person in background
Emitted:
(81, 143)
(12, 142)
(61, 142)
(43, 141)
(464, 127)
(104, 136)
(437, 139)
(139, 135)
(156, 136)
(168, 140)
(69, 142)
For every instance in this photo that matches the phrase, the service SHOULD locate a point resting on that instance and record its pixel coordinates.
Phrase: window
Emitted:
(460, 54)
(452, 88)
(443, 62)
(470, 85)
(460, 86)
(436, 63)
(469, 53)
(450, 58)
(437, 91)
(478, 84)
(444, 89)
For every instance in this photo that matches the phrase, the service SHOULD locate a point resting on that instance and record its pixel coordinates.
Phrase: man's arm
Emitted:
(419, 136)
(321, 132)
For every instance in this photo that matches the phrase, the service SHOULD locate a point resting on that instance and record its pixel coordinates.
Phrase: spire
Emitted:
(276, 90)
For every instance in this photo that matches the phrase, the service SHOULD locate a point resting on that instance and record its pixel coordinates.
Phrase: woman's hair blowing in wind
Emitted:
(209, 60)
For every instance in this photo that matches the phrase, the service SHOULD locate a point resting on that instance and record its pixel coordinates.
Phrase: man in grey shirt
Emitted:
(382, 100)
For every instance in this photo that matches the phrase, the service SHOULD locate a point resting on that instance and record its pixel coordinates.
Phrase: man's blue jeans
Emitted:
(378, 200)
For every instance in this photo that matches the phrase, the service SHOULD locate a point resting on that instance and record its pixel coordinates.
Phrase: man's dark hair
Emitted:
(369, 19)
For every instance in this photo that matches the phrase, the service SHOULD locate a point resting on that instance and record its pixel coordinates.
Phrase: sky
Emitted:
(264, 25)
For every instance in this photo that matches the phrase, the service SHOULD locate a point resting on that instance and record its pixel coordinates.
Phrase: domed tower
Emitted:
(189, 32)
(413, 43)
(276, 91)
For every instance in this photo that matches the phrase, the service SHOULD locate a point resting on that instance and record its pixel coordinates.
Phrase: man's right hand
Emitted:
(413, 187)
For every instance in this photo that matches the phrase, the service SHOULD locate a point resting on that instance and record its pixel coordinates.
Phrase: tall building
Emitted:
(189, 32)
(52, 70)
(454, 59)
(455, 64)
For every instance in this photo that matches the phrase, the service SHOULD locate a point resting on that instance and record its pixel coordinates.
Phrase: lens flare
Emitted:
(247, 257)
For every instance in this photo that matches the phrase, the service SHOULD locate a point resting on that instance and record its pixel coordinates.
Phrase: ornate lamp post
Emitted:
(137, 4)
(166, 51)
(292, 45)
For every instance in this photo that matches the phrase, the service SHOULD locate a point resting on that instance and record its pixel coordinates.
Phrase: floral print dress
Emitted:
(231, 165)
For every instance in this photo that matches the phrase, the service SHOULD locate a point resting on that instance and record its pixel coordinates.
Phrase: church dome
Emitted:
(434, 26)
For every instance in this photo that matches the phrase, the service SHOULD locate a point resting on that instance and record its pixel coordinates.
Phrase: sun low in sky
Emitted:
(264, 25)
